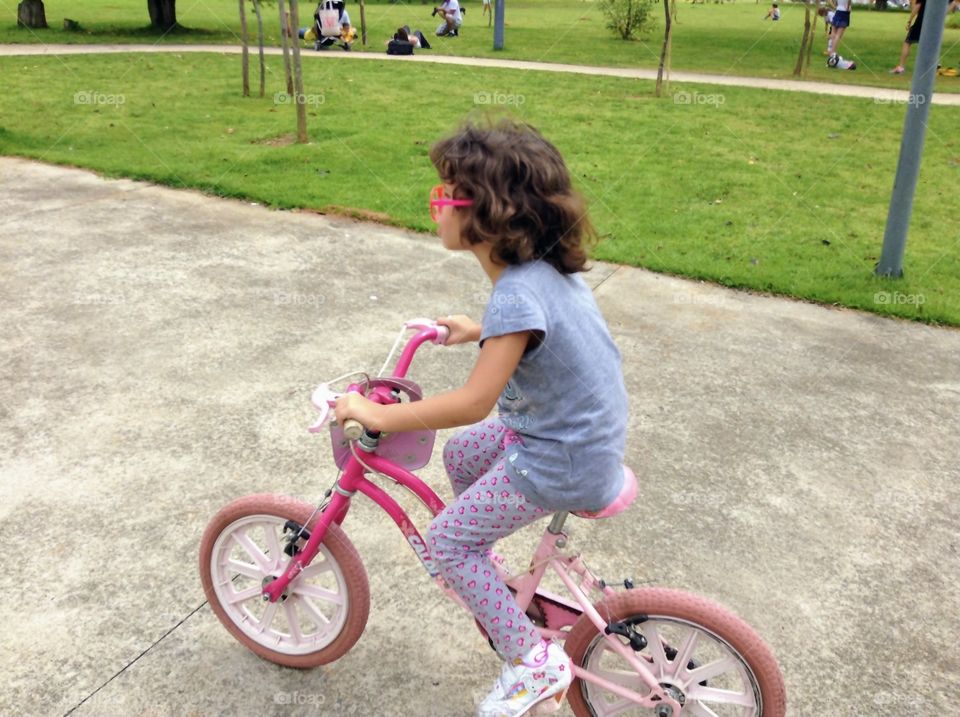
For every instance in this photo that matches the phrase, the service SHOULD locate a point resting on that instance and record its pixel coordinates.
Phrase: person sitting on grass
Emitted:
(348, 33)
(773, 13)
(413, 37)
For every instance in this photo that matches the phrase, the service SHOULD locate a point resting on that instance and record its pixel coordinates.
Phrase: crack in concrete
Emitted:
(134, 660)
(605, 279)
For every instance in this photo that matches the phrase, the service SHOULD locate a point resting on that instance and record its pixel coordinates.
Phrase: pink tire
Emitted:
(326, 606)
(713, 662)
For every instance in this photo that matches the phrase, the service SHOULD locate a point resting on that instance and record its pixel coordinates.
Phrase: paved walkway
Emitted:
(822, 88)
(798, 463)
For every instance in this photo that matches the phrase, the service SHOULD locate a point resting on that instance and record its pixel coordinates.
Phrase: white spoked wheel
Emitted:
(705, 657)
(323, 611)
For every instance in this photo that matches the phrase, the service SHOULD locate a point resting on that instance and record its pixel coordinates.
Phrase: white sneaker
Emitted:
(539, 680)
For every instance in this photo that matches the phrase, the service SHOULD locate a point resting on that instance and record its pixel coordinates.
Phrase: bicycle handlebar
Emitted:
(427, 330)
(352, 429)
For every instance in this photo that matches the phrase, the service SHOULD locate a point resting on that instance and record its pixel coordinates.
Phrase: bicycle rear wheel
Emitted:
(711, 661)
(325, 607)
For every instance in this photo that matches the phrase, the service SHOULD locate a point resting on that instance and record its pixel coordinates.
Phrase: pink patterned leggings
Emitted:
(487, 508)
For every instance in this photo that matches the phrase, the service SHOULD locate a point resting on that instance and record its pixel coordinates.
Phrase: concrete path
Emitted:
(797, 463)
(821, 88)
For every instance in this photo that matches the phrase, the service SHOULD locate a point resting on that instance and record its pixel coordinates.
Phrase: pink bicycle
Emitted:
(284, 579)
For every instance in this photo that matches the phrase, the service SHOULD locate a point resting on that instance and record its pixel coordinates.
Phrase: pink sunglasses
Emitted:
(437, 200)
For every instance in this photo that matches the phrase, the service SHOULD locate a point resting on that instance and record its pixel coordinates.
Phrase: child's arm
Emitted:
(914, 10)
(471, 403)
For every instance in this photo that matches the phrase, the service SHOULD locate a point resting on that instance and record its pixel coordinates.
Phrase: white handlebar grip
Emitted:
(352, 429)
(443, 333)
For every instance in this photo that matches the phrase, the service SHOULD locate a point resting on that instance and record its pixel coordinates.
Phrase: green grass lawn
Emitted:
(731, 39)
(774, 191)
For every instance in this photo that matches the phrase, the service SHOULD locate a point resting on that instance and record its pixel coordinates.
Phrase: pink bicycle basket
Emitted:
(410, 450)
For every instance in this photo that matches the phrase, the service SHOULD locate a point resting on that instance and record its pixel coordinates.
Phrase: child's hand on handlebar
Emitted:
(353, 405)
(463, 329)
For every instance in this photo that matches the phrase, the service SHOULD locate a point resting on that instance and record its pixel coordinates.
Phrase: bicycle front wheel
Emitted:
(325, 608)
(711, 661)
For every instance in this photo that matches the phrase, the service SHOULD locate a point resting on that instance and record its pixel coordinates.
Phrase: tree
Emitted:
(245, 45)
(31, 13)
(363, 24)
(664, 67)
(245, 51)
(263, 68)
(286, 35)
(163, 14)
(298, 96)
(806, 42)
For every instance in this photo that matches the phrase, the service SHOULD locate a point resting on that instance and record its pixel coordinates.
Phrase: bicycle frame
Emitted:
(569, 567)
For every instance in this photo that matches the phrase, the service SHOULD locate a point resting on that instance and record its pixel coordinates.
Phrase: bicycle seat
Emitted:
(620, 503)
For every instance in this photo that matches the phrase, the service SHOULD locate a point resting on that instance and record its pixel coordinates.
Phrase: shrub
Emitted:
(629, 18)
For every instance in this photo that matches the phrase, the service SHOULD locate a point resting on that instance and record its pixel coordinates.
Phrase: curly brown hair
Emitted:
(524, 202)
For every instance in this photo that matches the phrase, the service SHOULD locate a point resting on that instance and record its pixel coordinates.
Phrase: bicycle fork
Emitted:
(353, 481)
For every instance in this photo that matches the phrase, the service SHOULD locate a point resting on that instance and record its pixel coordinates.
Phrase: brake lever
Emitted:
(324, 399)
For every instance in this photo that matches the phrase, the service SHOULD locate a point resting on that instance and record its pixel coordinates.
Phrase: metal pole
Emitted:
(911, 146)
(498, 26)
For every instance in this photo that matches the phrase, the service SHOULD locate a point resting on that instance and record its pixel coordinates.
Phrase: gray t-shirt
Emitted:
(566, 399)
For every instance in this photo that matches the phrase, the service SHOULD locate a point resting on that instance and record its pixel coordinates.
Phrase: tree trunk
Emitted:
(31, 13)
(245, 54)
(664, 68)
(263, 67)
(363, 24)
(810, 43)
(163, 14)
(285, 43)
(798, 69)
(298, 97)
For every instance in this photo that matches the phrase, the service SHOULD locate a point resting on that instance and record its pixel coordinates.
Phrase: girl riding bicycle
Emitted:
(549, 364)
